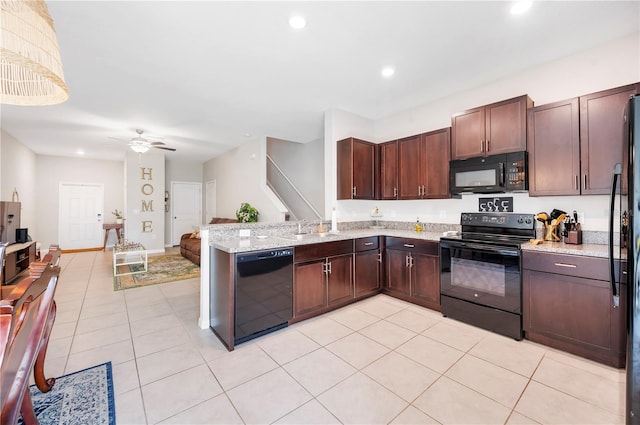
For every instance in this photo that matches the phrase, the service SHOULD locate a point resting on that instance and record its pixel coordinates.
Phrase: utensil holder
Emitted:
(573, 237)
(552, 233)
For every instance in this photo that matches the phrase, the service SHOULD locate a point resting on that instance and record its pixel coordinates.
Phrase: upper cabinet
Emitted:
(602, 135)
(389, 170)
(423, 165)
(500, 127)
(554, 149)
(356, 164)
(575, 144)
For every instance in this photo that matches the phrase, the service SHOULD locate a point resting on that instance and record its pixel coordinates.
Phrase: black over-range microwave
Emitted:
(489, 174)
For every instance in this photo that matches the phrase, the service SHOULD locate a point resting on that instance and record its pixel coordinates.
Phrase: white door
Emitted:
(186, 209)
(80, 215)
(210, 201)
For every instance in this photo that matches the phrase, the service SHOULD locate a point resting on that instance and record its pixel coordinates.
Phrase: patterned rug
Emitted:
(84, 397)
(160, 269)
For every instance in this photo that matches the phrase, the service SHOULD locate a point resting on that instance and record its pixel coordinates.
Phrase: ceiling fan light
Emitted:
(139, 148)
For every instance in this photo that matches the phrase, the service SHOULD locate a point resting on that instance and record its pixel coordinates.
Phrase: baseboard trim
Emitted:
(71, 251)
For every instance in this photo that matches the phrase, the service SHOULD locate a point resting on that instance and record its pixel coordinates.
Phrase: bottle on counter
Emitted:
(418, 225)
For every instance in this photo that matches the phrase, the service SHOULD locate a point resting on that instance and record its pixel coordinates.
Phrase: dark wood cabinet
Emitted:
(554, 149)
(413, 271)
(367, 266)
(574, 144)
(500, 127)
(389, 170)
(437, 148)
(423, 165)
(323, 277)
(410, 168)
(602, 137)
(310, 293)
(567, 304)
(356, 167)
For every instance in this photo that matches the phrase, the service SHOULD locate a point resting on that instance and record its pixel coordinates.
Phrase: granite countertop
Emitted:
(259, 241)
(588, 250)
(263, 239)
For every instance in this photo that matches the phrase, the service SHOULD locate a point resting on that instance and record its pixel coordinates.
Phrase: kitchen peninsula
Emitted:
(354, 243)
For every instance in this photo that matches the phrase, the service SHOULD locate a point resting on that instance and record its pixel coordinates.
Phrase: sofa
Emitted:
(190, 242)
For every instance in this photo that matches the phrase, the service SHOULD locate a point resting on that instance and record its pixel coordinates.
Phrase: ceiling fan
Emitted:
(140, 144)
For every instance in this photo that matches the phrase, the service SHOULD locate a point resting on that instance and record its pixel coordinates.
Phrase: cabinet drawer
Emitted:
(414, 245)
(365, 244)
(321, 250)
(570, 265)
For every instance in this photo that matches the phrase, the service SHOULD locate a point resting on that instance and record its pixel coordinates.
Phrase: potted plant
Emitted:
(118, 215)
(247, 213)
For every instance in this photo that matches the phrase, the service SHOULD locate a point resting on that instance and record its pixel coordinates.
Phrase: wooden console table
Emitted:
(107, 227)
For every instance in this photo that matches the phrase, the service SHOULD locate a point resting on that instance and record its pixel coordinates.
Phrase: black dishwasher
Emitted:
(263, 292)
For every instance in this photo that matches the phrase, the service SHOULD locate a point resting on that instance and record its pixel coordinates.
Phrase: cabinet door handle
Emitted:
(418, 190)
(409, 245)
(329, 267)
(406, 261)
(488, 145)
(481, 146)
(585, 182)
(410, 261)
(573, 266)
(368, 243)
(577, 183)
(395, 192)
(380, 257)
(354, 191)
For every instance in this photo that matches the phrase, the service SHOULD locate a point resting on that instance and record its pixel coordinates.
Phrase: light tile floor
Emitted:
(380, 360)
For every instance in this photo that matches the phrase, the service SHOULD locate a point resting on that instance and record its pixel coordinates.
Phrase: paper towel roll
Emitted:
(334, 221)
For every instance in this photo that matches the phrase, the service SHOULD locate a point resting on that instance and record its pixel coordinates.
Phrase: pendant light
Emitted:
(30, 65)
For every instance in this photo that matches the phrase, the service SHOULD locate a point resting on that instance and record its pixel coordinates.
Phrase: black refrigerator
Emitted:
(629, 215)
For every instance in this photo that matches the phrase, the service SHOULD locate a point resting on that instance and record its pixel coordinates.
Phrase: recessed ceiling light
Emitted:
(80, 152)
(297, 22)
(521, 6)
(247, 134)
(387, 72)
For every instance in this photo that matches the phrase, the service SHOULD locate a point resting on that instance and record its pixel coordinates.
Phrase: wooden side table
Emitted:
(107, 227)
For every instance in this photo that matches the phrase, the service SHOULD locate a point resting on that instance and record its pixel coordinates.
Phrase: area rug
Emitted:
(84, 397)
(160, 269)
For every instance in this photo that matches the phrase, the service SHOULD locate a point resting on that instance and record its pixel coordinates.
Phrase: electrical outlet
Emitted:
(245, 233)
(581, 217)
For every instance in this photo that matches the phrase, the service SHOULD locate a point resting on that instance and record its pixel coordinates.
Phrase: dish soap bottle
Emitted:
(418, 225)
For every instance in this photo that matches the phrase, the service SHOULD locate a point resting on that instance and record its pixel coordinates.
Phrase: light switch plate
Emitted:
(245, 233)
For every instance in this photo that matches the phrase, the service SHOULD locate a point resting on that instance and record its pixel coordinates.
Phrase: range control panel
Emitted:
(501, 220)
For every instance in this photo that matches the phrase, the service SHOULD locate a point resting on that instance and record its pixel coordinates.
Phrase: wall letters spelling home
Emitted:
(147, 205)
(496, 204)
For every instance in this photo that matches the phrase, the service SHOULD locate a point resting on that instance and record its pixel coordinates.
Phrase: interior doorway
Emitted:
(186, 209)
(80, 215)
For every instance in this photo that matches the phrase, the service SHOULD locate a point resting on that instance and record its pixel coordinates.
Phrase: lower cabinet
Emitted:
(567, 304)
(323, 277)
(367, 266)
(413, 271)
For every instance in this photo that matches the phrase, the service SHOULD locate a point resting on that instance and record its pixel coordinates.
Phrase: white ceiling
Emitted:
(206, 74)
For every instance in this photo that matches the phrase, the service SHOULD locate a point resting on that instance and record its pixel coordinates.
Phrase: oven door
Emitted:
(483, 274)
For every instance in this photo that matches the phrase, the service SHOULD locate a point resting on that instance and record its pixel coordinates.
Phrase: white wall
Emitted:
(17, 171)
(302, 163)
(240, 177)
(611, 65)
(51, 170)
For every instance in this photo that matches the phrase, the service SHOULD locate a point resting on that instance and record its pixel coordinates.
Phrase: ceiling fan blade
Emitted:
(157, 143)
(164, 148)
